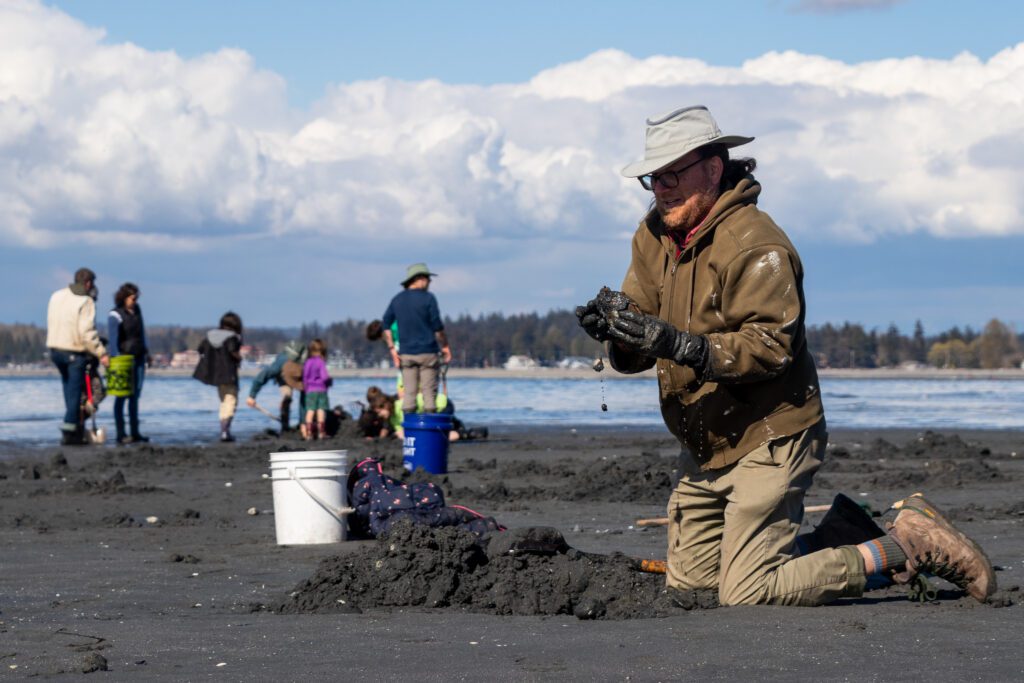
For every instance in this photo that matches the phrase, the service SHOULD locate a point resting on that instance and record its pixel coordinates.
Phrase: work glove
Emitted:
(601, 310)
(592, 321)
(651, 336)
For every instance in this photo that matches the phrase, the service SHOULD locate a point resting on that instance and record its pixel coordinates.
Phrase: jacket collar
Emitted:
(745, 192)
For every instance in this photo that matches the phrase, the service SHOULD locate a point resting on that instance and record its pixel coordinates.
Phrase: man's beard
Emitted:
(690, 213)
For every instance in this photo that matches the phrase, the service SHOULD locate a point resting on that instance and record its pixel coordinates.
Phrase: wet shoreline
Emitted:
(587, 373)
(87, 573)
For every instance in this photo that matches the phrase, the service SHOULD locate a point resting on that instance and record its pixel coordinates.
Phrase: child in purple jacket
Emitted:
(316, 380)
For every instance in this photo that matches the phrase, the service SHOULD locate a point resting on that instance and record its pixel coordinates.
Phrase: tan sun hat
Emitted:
(416, 270)
(673, 135)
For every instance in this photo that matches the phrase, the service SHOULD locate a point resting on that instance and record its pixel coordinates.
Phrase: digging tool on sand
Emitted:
(545, 540)
(97, 435)
(266, 412)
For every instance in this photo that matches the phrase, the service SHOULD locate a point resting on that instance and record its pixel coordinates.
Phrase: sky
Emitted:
(289, 161)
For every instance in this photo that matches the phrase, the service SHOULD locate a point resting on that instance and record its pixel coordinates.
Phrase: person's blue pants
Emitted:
(71, 366)
(139, 372)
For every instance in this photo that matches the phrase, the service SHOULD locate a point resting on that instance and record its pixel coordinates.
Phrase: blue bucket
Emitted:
(426, 442)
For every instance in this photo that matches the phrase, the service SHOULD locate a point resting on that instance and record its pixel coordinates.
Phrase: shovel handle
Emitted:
(266, 412)
(653, 566)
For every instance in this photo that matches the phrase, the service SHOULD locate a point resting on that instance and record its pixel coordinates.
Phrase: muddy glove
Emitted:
(592, 321)
(602, 310)
(650, 336)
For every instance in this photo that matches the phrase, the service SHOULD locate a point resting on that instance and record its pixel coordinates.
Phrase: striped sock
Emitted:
(885, 555)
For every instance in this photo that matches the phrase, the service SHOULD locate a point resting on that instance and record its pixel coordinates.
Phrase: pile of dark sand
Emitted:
(416, 566)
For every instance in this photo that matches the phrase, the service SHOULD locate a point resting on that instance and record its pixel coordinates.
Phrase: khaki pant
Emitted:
(419, 374)
(735, 529)
(228, 394)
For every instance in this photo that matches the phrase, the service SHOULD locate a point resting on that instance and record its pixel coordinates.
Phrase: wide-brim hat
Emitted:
(295, 350)
(416, 270)
(291, 373)
(672, 136)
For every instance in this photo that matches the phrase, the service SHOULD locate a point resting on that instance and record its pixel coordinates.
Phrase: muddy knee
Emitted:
(742, 590)
(687, 583)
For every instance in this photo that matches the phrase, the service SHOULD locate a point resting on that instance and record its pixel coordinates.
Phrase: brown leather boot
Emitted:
(933, 545)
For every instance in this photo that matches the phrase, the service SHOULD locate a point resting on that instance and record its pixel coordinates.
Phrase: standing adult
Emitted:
(126, 335)
(714, 297)
(71, 335)
(422, 334)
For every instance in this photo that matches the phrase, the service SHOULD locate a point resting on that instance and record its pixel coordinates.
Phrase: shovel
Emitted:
(546, 540)
(266, 412)
(97, 436)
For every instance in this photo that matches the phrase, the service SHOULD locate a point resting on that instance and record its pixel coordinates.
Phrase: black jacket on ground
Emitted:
(220, 354)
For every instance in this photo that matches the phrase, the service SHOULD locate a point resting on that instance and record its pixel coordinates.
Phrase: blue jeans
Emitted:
(139, 374)
(71, 366)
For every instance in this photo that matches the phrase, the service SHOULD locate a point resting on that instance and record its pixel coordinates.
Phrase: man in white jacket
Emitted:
(71, 335)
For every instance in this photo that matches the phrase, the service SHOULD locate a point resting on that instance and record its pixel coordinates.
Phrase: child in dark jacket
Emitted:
(316, 380)
(220, 355)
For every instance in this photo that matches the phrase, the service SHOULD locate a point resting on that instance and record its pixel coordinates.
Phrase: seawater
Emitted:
(181, 410)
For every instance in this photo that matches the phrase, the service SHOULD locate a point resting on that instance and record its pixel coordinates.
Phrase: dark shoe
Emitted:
(845, 523)
(225, 431)
(139, 438)
(935, 546)
(72, 439)
(125, 440)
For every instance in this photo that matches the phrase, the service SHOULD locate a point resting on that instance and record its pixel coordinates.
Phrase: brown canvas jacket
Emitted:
(739, 282)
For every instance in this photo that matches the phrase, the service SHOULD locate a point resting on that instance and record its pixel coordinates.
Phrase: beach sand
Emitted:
(87, 582)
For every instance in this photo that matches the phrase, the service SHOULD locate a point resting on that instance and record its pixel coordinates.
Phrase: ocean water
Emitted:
(180, 410)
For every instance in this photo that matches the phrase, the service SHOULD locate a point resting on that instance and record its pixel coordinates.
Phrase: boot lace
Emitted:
(944, 568)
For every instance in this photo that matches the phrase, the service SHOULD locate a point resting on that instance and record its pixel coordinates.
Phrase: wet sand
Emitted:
(86, 581)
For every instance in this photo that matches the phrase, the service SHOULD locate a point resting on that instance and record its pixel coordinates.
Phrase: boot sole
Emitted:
(928, 509)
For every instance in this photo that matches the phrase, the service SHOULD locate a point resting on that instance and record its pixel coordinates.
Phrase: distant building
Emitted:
(266, 359)
(574, 362)
(520, 363)
(160, 360)
(250, 353)
(342, 361)
(185, 359)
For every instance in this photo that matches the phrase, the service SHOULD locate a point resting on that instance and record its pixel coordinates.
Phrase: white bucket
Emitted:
(310, 492)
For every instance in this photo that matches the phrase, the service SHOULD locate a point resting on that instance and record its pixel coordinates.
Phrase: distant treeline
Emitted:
(488, 340)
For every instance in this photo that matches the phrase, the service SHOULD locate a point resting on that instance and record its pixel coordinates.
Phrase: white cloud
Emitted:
(103, 142)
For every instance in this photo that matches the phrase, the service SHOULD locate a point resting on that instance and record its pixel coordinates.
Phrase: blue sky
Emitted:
(312, 43)
(289, 162)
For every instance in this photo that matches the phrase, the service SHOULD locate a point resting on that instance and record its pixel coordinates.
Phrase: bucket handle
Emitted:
(337, 513)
